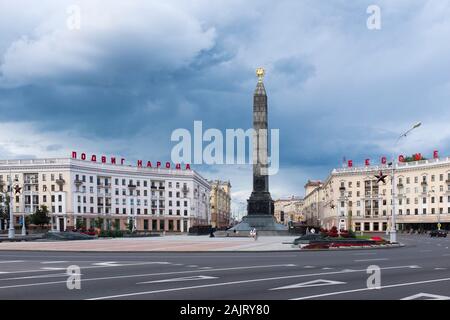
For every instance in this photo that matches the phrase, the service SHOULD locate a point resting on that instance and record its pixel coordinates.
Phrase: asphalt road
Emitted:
(421, 270)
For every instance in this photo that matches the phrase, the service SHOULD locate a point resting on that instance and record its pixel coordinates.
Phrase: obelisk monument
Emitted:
(260, 202)
(260, 206)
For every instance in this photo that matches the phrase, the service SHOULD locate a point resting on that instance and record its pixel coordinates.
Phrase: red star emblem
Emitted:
(381, 177)
(17, 189)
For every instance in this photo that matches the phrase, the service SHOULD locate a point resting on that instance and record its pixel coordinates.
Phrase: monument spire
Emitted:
(260, 201)
(260, 206)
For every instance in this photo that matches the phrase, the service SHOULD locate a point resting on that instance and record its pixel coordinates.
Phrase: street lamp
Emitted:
(393, 233)
(11, 231)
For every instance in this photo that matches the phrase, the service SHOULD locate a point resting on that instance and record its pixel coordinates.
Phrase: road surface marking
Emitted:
(327, 268)
(146, 275)
(12, 261)
(53, 268)
(43, 269)
(313, 283)
(192, 266)
(308, 267)
(426, 295)
(3, 272)
(56, 275)
(365, 253)
(440, 268)
(193, 278)
(50, 262)
(367, 260)
(366, 289)
(234, 282)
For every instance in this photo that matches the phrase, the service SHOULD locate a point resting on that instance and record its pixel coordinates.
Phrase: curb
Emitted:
(293, 250)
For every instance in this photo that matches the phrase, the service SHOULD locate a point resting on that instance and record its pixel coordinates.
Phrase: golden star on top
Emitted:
(260, 72)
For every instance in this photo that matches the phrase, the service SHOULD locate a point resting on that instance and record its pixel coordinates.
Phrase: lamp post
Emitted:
(393, 233)
(11, 231)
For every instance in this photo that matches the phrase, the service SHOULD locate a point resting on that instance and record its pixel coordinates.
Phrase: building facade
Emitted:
(355, 198)
(220, 204)
(313, 208)
(81, 191)
(290, 209)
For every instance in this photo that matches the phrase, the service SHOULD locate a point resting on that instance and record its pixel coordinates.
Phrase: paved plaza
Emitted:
(176, 243)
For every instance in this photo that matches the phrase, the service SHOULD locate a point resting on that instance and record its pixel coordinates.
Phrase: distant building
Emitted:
(290, 209)
(220, 204)
(313, 202)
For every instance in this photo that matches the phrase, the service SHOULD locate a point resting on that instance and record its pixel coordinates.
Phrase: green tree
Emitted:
(4, 210)
(40, 217)
(98, 222)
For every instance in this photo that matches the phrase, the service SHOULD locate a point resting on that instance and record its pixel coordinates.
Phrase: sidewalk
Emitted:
(179, 243)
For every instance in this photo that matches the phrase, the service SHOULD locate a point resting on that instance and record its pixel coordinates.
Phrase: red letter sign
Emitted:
(436, 154)
(350, 163)
(367, 162)
(74, 154)
(383, 160)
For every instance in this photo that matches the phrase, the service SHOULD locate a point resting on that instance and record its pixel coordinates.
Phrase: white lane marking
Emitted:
(12, 261)
(3, 272)
(117, 264)
(440, 268)
(313, 283)
(89, 267)
(425, 250)
(366, 289)
(193, 278)
(236, 282)
(365, 254)
(327, 268)
(308, 267)
(53, 268)
(56, 275)
(426, 295)
(51, 262)
(204, 268)
(367, 260)
(147, 275)
(192, 266)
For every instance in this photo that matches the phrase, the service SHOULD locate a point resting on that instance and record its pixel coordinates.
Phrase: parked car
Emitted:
(438, 233)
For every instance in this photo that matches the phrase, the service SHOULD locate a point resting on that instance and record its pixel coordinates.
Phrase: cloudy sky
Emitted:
(134, 71)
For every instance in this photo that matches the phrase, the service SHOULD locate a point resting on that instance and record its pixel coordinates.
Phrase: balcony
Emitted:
(400, 185)
(185, 189)
(60, 181)
(78, 182)
(131, 186)
(424, 183)
(32, 181)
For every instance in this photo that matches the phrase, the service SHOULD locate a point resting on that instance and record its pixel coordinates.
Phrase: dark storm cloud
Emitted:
(134, 72)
